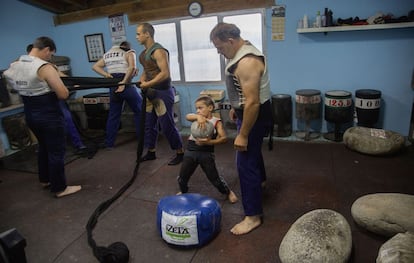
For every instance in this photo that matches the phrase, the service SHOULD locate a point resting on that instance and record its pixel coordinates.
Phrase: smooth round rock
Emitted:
(321, 235)
(386, 214)
(373, 141)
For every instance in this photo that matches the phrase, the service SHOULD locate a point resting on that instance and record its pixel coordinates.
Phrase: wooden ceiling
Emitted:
(69, 11)
(61, 6)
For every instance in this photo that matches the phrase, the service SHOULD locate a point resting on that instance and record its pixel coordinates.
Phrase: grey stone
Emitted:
(321, 235)
(399, 248)
(373, 141)
(385, 213)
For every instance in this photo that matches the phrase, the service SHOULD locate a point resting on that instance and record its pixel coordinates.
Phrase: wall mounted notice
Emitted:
(278, 22)
(117, 28)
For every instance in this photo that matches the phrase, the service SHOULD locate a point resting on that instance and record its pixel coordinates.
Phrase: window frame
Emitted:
(220, 17)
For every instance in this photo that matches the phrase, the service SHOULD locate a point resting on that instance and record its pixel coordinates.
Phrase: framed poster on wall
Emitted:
(94, 46)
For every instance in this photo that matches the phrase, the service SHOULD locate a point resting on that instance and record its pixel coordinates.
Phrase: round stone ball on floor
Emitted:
(188, 220)
(321, 235)
(373, 141)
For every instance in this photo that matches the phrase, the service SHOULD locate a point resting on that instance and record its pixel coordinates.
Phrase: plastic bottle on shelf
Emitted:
(325, 15)
(305, 21)
(329, 18)
(323, 20)
(318, 19)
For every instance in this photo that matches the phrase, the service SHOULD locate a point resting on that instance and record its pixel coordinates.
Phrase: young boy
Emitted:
(200, 151)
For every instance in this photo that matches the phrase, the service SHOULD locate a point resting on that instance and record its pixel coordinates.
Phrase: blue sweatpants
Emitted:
(130, 95)
(70, 126)
(165, 121)
(250, 163)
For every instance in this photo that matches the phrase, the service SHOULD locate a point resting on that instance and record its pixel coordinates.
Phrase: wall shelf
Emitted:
(354, 28)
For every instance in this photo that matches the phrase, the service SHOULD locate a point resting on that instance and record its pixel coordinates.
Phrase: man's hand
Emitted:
(144, 84)
(120, 89)
(240, 143)
(232, 115)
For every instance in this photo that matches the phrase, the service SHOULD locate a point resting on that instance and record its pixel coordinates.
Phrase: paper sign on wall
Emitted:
(278, 22)
(117, 29)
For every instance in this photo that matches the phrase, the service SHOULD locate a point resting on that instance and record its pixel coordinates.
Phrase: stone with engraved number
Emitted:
(373, 141)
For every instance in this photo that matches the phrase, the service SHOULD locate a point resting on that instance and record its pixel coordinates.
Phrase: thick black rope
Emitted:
(117, 252)
(84, 83)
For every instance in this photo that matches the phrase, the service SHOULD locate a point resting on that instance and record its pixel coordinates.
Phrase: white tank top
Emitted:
(22, 76)
(234, 90)
(115, 60)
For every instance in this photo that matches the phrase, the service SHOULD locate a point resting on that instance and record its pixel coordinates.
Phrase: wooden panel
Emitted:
(151, 10)
(49, 5)
(96, 12)
(178, 9)
(82, 4)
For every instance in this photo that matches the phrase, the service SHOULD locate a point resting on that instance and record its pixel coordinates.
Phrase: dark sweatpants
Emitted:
(207, 163)
(45, 118)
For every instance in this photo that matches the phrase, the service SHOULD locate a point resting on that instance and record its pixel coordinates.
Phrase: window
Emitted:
(193, 58)
(165, 34)
(201, 59)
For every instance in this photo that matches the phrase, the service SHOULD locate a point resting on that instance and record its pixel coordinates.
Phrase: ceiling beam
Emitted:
(49, 5)
(96, 12)
(151, 10)
(180, 9)
(81, 4)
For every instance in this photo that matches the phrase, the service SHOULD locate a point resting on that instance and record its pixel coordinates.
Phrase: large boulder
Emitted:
(321, 235)
(399, 248)
(373, 141)
(386, 214)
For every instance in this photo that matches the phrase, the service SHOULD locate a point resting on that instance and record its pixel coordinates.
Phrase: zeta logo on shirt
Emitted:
(113, 55)
(21, 83)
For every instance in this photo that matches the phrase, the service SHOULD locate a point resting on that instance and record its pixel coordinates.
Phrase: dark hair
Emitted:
(44, 42)
(224, 31)
(125, 46)
(207, 100)
(147, 28)
(29, 48)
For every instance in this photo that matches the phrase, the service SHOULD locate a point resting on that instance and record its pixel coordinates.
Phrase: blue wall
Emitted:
(376, 59)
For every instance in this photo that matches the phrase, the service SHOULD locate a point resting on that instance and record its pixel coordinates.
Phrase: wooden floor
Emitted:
(302, 176)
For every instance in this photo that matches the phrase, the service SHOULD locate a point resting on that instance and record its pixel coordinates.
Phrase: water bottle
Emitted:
(318, 19)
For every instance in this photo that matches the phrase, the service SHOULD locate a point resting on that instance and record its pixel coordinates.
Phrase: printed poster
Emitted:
(117, 29)
(278, 22)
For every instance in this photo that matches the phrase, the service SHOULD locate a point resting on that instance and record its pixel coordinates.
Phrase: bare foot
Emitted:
(179, 193)
(69, 190)
(247, 225)
(232, 197)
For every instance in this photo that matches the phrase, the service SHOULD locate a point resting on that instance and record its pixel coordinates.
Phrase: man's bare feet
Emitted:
(69, 190)
(248, 224)
(179, 193)
(232, 197)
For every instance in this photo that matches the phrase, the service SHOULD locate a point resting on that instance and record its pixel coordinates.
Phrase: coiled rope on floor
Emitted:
(116, 252)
